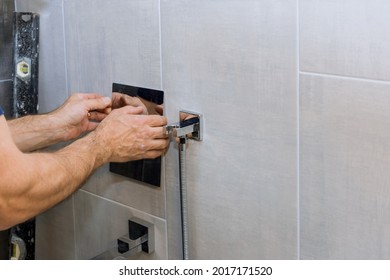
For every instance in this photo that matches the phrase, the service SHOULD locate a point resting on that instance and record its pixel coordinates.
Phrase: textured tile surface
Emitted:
(5, 97)
(99, 222)
(126, 191)
(234, 61)
(115, 41)
(345, 37)
(55, 233)
(54, 228)
(345, 159)
(112, 41)
(6, 38)
(52, 66)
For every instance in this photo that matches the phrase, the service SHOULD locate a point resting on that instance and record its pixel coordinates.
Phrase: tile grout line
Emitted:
(120, 204)
(160, 38)
(65, 53)
(164, 160)
(67, 93)
(336, 76)
(298, 135)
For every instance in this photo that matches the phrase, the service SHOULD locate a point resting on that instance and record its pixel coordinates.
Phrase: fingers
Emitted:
(158, 133)
(154, 154)
(96, 116)
(132, 101)
(88, 95)
(160, 110)
(120, 100)
(157, 121)
(152, 144)
(100, 103)
(154, 148)
(134, 110)
(92, 126)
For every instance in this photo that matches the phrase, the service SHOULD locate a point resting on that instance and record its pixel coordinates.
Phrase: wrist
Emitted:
(59, 131)
(97, 146)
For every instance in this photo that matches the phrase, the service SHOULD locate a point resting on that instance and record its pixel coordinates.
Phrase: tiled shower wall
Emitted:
(6, 43)
(296, 156)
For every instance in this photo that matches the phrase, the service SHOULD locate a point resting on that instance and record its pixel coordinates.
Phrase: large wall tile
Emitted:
(115, 41)
(55, 233)
(128, 192)
(345, 159)
(54, 228)
(99, 222)
(52, 66)
(235, 62)
(112, 41)
(6, 88)
(6, 38)
(345, 37)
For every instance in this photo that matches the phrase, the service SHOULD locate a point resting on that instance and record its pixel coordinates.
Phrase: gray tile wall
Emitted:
(52, 65)
(345, 176)
(112, 41)
(344, 150)
(6, 45)
(5, 95)
(255, 191)
(86, 54)
(106, 42)
(6, 22)
(99, 222)
(347, 37)
(226, 59)
(54, 229)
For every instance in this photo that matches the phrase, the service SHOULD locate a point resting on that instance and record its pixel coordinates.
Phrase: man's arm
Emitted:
(32, 183)
(77, 115)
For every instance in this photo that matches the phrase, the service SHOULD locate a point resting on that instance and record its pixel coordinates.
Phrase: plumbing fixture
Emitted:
(140, 238)
(147, 171)
(190, 126)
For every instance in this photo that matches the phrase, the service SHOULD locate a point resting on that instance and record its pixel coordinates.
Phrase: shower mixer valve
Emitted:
(140, 238)
(190, 126)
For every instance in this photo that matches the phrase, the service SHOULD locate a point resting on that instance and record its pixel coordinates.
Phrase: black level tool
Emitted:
(26, 54)
(24, 99)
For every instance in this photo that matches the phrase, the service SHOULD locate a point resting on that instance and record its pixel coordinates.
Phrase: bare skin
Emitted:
(31, 183)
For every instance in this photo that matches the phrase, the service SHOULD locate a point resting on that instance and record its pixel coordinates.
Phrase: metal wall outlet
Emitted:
(140, 238)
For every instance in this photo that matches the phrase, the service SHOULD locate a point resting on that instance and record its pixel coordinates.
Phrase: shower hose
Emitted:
(183, 196)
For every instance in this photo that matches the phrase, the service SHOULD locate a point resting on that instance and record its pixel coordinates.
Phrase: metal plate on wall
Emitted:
(147, 170)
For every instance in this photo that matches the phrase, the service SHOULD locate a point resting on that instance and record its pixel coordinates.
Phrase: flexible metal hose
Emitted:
(183, 197)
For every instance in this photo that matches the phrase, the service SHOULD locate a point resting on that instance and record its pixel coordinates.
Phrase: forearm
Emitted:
(41, 180)
(31, 183)
(31, 133)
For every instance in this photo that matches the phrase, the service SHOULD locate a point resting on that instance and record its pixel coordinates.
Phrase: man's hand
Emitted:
(31, 183)
(120, 100)
(81, 113)
(127, 136)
